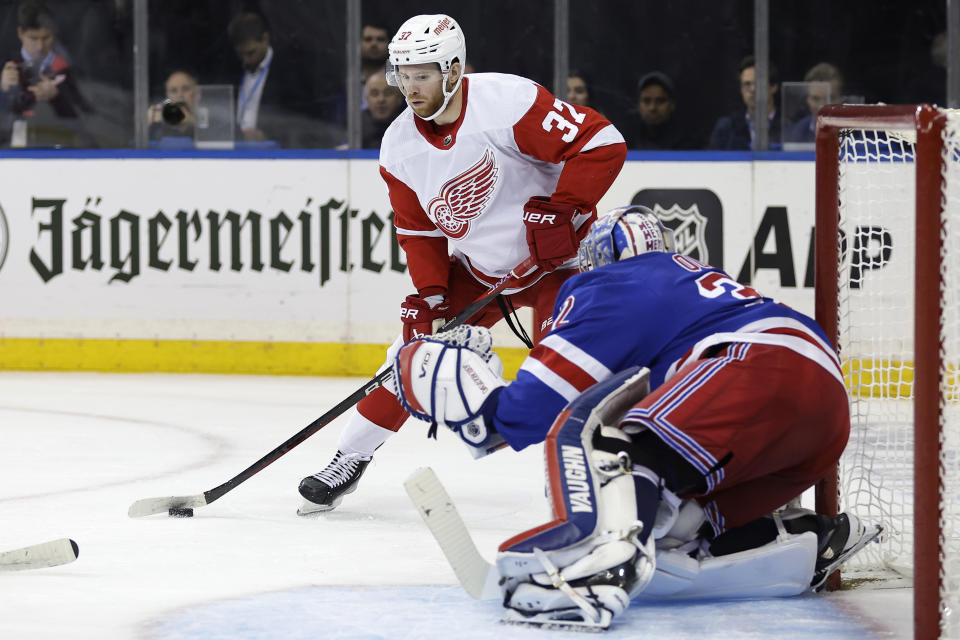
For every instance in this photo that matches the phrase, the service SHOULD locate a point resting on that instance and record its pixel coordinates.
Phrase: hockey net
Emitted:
(888, 293)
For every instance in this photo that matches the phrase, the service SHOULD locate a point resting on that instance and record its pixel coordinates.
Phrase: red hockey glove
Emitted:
(550, 233)
(422, 316)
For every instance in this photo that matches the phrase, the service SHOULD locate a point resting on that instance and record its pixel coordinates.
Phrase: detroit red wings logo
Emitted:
(464, 197)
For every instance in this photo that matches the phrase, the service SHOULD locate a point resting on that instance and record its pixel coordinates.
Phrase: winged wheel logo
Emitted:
(464, 197)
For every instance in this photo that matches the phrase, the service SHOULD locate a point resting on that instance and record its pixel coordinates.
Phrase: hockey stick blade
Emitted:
(151, 506)
(38, 556)
(477, 576)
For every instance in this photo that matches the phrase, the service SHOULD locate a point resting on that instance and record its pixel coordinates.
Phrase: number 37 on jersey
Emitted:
(565, 119)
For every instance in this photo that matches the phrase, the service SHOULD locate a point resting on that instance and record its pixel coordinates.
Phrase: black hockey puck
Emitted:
(185, 512)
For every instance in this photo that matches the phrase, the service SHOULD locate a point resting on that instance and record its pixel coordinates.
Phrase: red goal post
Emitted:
(887, 239)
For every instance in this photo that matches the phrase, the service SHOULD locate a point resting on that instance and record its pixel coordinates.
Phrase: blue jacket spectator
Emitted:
(736, 131)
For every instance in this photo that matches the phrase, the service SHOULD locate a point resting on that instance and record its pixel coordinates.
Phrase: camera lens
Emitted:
(172, 112)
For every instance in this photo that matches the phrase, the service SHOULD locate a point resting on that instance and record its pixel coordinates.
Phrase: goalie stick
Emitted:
(37, 556)
(477, 576)
(151, 506)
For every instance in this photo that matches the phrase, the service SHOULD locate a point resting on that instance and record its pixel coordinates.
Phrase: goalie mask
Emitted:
(428, 39)
(622, 233)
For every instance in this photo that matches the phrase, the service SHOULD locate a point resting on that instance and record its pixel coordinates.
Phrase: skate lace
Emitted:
(340, 469)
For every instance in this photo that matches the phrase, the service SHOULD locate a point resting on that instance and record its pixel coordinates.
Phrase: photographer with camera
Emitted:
(37, 86)
(175, 117)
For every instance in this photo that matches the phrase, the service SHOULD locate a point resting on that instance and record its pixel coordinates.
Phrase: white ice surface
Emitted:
(77, 449)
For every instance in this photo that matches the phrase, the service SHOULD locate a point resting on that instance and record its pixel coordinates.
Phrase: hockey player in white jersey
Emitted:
(679, 409)
(484, 171)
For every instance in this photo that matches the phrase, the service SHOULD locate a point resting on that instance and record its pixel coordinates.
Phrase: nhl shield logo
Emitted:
(696, 217)
(689, 230)
(4, 238)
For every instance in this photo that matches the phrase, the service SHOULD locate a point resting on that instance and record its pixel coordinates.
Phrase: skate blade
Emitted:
(308, 508)
(572, 620)
(870, 534)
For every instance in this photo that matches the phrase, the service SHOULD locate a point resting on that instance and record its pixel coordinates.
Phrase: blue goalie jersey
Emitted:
(656, 310)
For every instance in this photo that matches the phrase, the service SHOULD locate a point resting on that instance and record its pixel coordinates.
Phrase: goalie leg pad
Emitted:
(575, 471)
(780, 568)
(604, 551)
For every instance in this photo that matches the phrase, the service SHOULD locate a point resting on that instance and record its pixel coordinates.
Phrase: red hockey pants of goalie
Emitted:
(760, 423)
(382, 408)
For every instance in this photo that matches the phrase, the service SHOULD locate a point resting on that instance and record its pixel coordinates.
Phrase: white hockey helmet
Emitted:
(424, 39)
(622, 233)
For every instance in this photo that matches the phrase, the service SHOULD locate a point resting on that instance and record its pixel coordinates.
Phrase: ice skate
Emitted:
(323, 491)
(838, 544)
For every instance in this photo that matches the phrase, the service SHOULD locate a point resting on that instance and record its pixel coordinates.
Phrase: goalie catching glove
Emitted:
(453, 378)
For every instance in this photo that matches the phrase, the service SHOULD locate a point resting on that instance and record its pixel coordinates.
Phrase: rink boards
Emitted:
(290, 265)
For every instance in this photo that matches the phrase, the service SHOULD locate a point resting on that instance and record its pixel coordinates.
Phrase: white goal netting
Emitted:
(877, 194)
(875, 338)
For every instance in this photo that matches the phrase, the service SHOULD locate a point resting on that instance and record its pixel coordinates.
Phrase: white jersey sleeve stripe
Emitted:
(411, 232)
(810, 345)
(577, 356)
(606, 136)
(548, 377)
(774, 323)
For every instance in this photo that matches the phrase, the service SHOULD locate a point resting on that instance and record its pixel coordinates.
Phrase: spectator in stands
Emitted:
(38, 86)
(827, 90)
(580, 91)
(578, 88)
(374, 39)
(736, 131)
(653, 125)
(175, 115)
(373, 49)
(384, 103)
(274, 102)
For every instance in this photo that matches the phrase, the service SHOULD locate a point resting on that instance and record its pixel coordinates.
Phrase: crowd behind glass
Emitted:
(273, 75)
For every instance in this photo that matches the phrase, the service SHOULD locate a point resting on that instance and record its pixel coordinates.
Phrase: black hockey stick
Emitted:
(184, 505)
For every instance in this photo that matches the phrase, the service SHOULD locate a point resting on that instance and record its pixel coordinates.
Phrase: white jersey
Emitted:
(469, 181)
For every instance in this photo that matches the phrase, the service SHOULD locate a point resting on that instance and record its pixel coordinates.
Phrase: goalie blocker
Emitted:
(619, 531)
